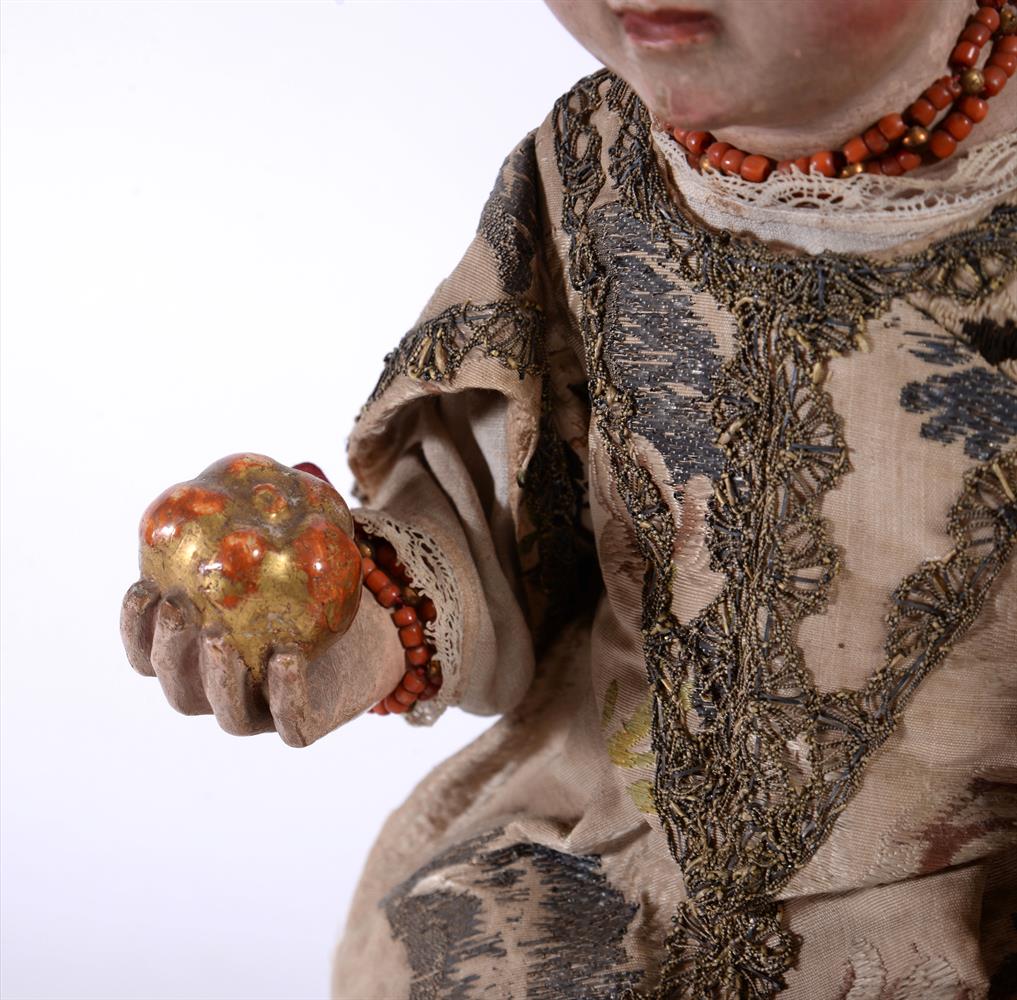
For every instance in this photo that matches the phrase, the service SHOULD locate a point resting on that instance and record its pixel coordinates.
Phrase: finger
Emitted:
(175, 656)
(137, 624)
(298, 722)
(238, 705)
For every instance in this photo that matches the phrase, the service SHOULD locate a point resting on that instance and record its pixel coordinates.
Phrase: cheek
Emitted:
(855, 26)
(595, 26)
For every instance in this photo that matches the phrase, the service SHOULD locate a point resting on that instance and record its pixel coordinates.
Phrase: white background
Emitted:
(217, 217)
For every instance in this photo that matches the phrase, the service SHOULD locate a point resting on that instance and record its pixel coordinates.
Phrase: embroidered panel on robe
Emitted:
(731, 535)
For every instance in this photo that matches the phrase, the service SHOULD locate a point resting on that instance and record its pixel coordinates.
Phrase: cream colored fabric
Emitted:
(863, 214)
(533, 863)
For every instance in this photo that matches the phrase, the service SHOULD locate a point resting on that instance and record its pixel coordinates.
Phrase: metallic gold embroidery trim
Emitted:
(507, 330)
(737, 823)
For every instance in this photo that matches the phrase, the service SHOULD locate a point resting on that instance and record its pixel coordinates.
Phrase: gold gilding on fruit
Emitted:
(262, 550)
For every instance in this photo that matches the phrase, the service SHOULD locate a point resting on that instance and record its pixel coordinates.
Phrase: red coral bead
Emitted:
(696, 142)
(680, 134)
(974, 107)
(376, 580)
(403, 696)
(427, 611)
(876, 141)
(404, 616)
(823, 162)
(731, 162)
(1008, 43)
(921, 112)
(388, 595)
(394, 705)
(953, 84)
(756, 168)
(716, 153)
(892, 126)
(873, 167)
(938, 95)
(977, 33)
(964, 54)
(988, 17)
(413, 682)
(942, 144)
(411, 635)
(890, 166)
(1006, 61)
(995, 80)
(418, 656)
(958, 125)
(907, 160)
(367, 566)
(856, 150)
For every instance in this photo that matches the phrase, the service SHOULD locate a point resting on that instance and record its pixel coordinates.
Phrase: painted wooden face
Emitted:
(713, 64)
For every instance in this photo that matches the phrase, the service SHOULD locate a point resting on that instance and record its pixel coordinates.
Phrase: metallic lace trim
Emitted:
(508, 330)
(742, 808)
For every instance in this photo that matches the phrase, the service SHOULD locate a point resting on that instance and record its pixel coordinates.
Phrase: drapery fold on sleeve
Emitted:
(462, 464)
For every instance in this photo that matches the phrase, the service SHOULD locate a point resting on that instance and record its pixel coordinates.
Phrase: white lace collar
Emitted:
(863, 214)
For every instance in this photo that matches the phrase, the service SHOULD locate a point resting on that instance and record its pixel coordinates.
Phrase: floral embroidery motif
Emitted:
(754, 765)
(659, 349)
(971, 402)
(931, 978)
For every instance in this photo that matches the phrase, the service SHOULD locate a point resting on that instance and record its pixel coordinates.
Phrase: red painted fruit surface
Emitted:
(264, 551)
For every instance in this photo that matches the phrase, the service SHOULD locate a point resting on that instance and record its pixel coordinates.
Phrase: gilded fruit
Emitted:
(262, 550)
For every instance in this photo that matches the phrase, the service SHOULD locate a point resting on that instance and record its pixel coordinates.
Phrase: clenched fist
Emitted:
(201, 672)
(249, 576)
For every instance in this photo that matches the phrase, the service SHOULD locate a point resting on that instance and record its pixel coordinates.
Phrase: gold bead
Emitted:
(972, 81)
(851, 169)
(1008, 19)
(916, 137)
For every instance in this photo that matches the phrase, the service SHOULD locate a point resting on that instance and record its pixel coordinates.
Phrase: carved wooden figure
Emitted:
(701, 470)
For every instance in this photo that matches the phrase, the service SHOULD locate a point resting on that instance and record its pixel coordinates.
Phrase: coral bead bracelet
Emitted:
(387, 579)
(897, 143)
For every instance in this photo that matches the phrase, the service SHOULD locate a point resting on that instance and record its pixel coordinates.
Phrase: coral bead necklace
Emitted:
(903, 141)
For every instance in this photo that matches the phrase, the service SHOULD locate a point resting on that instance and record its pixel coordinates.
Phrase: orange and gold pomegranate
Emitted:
(263, 550)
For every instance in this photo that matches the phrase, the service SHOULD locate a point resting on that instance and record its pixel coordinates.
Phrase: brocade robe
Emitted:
(725, 532)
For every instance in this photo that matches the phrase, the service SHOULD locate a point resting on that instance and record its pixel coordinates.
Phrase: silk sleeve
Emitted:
(469, 454)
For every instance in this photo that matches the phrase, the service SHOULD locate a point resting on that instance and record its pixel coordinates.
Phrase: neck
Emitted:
(893, 91)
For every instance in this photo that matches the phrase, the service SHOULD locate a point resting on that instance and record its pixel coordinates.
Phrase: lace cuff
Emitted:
(431, 572)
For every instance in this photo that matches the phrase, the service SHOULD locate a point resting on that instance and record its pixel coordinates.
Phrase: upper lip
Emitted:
(662, 15)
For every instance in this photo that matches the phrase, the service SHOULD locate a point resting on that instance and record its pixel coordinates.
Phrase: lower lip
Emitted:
(667, 31)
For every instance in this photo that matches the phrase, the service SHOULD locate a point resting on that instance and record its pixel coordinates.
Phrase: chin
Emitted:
(679, 106)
